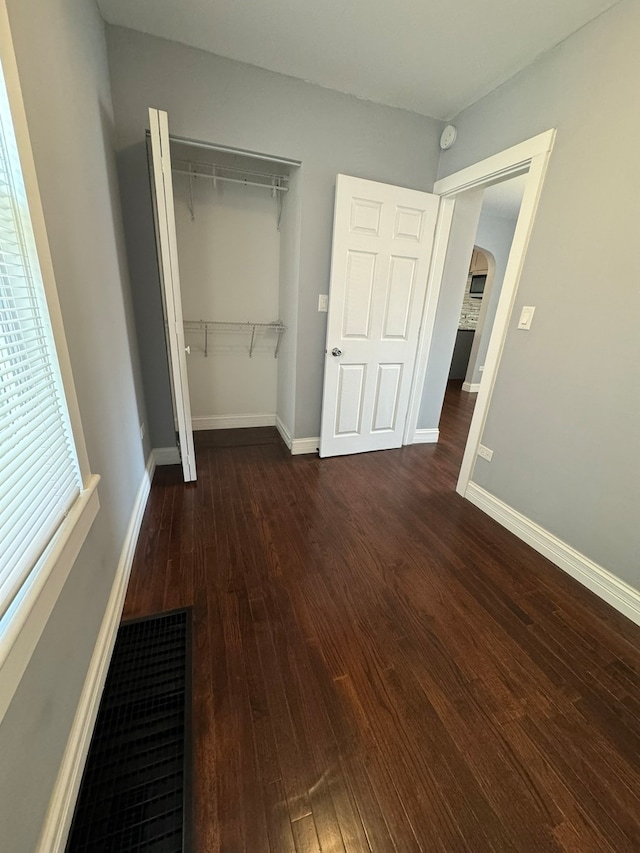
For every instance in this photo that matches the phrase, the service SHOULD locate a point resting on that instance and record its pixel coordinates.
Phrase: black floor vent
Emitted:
(133, 795)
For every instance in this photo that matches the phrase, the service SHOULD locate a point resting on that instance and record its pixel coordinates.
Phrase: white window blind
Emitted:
(39, 472)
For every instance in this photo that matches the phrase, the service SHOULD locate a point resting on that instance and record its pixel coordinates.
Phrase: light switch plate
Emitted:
(323, 302)
(526, 316)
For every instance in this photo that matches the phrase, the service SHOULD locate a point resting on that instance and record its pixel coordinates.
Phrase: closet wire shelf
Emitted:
(275, 182)
(216, 326)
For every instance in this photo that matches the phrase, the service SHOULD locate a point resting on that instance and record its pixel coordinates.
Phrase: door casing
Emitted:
(530, 157)
(168, 268)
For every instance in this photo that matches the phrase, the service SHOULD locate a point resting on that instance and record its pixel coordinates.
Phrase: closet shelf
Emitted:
(273, 187)
(216, 326)
(275, 182)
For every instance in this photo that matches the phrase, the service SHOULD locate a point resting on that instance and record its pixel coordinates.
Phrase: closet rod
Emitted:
(180, 163)
(271, 187)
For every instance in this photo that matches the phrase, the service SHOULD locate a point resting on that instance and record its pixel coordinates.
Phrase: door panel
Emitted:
(385, 408)
(351, 383)
(402, 275)
(382, 245)
(359, 283)
(164, 218)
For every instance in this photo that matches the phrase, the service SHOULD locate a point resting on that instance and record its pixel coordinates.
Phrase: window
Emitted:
(48, 497)
(40, 475)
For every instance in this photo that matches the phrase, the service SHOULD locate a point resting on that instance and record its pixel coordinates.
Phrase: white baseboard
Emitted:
(599, 580)
(165, 456)
(285, 435)
(57, 822)
(233, 421)
(426, 436)
(297, 446)
(304, 445)
(472, 387)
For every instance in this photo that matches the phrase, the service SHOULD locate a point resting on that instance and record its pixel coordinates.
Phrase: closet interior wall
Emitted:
(229, 248)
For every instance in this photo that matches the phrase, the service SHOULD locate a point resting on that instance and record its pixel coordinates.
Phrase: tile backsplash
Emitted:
(470, 310)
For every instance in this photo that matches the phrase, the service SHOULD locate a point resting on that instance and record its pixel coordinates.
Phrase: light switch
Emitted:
(323, 302)
(526, 316)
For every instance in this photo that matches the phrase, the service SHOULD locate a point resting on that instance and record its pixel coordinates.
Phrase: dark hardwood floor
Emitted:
(378, 666)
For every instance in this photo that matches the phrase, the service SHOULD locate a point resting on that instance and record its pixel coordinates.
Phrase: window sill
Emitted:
(23, 623)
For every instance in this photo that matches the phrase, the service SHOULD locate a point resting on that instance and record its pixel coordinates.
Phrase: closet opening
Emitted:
(237, 233)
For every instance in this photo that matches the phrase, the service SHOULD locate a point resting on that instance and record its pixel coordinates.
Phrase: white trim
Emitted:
(426, 436)
(599, 580)
(57, 823)
(25, 620)
(165, 456)
(233, 421)
(304, 445)
(505, 163)
(471, 387)
(285, 435)
(532, 157)
(169, 267)
(524, 226)
(297, 446)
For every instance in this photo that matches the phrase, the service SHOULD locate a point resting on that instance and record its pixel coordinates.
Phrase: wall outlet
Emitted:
(485, 453)
(481, 368)
(142, 431)
(323, 302)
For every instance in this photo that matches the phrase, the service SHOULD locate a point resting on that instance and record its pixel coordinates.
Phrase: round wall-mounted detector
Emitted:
(448, 137)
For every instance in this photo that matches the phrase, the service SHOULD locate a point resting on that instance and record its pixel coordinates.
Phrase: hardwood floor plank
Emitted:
(573, 822)
(592, 793)
(205, 770)
(379, 667)
(305, 835)
(294, 774)
(360, 791)
(313, 732)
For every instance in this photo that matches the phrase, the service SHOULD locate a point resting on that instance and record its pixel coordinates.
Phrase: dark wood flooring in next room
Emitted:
(378, 666)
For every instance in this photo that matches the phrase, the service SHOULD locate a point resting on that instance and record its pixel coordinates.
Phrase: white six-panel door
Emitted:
(382, 247)
(164, 217)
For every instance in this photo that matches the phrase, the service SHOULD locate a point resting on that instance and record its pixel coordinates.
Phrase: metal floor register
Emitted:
(135, 789)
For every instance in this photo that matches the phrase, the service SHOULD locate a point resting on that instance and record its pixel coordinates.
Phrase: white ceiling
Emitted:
(504, 199)
(434, 57)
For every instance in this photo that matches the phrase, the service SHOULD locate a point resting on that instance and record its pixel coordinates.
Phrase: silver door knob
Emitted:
(336, 352)
(188, 350)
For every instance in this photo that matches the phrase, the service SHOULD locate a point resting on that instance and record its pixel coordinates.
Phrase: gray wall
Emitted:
(61, 54)
(495, 234)
(218, 100)
(564, 418)
(454, 278)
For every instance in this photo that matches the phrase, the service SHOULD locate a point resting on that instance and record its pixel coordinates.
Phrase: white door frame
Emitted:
(532, 157)
(170, 284)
